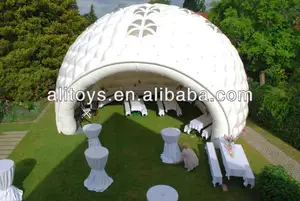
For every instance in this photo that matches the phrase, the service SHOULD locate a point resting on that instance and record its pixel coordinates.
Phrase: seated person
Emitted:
(189, 157)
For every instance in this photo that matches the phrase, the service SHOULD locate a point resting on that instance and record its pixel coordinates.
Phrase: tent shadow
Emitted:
(22, 170)
(129, 152)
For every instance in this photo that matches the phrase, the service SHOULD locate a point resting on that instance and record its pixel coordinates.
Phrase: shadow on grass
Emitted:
(135, 165)
(22, 170)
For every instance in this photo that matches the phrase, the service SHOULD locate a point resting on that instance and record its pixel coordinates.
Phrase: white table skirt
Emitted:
(171, 153)
(98, 180)
(8, 192)
(162, 193)
(198, 123)
(136, 105)
(92, 132)
(238, 165)
(172, 105)
(94, 142)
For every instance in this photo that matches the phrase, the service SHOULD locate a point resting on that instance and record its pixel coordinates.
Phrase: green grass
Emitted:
(50, 166)
(15, 127)
(283, 146)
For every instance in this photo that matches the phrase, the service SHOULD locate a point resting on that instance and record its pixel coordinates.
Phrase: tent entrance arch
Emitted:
(220, 122)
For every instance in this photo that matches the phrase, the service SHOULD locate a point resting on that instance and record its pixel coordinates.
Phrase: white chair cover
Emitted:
(98, 180)
(171, 153)
(162, 193)
(8, 192)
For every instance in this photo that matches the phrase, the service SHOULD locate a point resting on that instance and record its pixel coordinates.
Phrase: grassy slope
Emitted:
(283, 146)
(52, 167)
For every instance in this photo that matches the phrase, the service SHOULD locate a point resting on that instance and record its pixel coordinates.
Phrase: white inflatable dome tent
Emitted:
(167, 41)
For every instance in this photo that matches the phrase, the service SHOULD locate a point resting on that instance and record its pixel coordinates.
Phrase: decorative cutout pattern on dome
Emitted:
(144, 26)
(213, 27)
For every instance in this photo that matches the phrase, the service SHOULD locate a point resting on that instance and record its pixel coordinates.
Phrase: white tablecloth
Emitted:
(8, 192)
(92, 132)
(162, 193)
(206, 133)
(237, 165)
(171, 153)
(198, 123)
(98, 180)
(172, 105)
(161, 110)
(136, 105)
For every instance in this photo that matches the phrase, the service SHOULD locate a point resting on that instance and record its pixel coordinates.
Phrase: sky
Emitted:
(105, 6)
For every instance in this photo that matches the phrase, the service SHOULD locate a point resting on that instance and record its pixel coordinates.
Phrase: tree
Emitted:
(265, 34)
(91, 16)
(34, 38)
(167, 2)
(195, 5)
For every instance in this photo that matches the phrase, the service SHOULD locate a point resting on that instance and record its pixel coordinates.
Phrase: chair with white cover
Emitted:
(98, 180)
(86, 111)
(8, 192)
(171, 153)
(92, 132)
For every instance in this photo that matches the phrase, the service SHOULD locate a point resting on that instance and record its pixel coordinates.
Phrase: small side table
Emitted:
(8, 192)
(92, 132)
(171, 153)
(162, 193)
(98, 180)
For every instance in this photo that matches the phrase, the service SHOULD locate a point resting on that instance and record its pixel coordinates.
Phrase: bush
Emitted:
(270, 106)
(278, 110)
(274, 184)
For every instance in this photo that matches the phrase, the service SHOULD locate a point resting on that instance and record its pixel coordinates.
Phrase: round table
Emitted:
(98, 180)
(162, 193)
(8, 192)
(171, 153)
(92, 132)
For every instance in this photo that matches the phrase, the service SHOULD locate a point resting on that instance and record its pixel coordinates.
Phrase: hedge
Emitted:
(278, 110)
(274, 184)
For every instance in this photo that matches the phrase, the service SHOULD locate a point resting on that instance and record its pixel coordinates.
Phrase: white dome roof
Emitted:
(161, 35)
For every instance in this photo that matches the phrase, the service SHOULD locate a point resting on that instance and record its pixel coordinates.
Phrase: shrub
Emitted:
(277, 108)
(274, 184)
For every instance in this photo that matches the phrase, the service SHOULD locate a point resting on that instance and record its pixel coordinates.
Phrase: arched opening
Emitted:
(65, 110)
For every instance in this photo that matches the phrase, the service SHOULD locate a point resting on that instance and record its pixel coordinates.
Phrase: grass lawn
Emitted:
(52, 167)
(283, 146)
(15, 127)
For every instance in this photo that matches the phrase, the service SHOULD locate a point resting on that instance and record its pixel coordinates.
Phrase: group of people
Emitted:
(188, 157)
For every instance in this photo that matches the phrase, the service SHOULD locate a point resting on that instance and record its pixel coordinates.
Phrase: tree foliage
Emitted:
(167, 2)
(264, 33)
(34, 38)
(195, 5)
(91, 16)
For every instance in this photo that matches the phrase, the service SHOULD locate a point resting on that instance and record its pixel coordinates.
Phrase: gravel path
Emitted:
(8, 141)
(272, 153)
